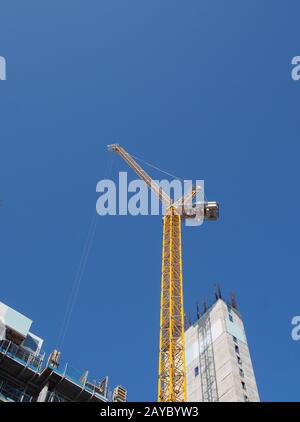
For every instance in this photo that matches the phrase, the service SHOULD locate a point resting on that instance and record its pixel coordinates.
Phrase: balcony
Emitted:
(18, 353)
(76, 384)
(68, 383)
(8, 392)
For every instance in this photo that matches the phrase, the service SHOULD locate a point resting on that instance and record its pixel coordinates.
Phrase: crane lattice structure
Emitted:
(172, 376)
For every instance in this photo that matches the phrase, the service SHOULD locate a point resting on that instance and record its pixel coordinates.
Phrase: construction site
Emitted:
(146, 258)
(207, 360)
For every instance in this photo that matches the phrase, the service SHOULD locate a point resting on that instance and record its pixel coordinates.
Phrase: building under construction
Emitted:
(218, 362)
(28, 375)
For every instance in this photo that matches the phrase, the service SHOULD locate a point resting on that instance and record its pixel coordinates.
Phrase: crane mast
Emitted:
(171, 376)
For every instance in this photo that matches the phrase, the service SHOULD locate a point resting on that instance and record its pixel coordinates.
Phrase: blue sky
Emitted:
(200, 89)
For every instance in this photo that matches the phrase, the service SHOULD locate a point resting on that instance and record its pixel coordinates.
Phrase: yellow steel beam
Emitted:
(163, 196)
(172, 380)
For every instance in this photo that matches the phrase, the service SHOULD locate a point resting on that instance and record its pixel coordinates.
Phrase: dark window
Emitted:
(246, 398)
(241, 373)
(196, 371)
(237, 350)
(235, 339)
(243, 385)
(239, 360)
(230, 318)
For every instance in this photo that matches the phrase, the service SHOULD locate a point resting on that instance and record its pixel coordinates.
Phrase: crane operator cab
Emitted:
(203, 211)
(211, 210)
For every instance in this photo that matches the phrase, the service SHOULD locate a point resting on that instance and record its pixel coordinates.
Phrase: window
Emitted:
(230, 318)
(196, 370)
(246, 398)
(239, 360)
(243, 385)
(237, 350)
(234, 339)
(242, 373)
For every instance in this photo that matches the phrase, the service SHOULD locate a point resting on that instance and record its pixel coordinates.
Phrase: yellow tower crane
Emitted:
(171, 377)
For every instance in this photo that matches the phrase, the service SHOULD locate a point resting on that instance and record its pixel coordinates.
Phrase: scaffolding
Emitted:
(207, 361)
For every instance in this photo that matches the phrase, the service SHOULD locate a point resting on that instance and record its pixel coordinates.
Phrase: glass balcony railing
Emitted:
(12, 393)
(38, 364)
(19, 353)
(53, 396)
(98, 389)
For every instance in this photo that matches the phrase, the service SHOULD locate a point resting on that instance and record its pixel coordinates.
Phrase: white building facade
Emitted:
(218, 362)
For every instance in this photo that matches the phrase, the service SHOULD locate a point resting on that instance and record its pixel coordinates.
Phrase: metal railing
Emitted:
(79, 378)
(11, 393)
(37, 363)
(19, 353)
(53, 396)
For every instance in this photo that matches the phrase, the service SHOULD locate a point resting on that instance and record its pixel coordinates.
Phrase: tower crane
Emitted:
(172, 374)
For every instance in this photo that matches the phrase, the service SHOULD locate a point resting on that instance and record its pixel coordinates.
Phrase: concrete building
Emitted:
(218, 361)
(26, 374)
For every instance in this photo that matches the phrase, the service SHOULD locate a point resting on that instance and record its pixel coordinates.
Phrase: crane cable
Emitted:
(162, 171)
(156, 168)
(80, 271)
